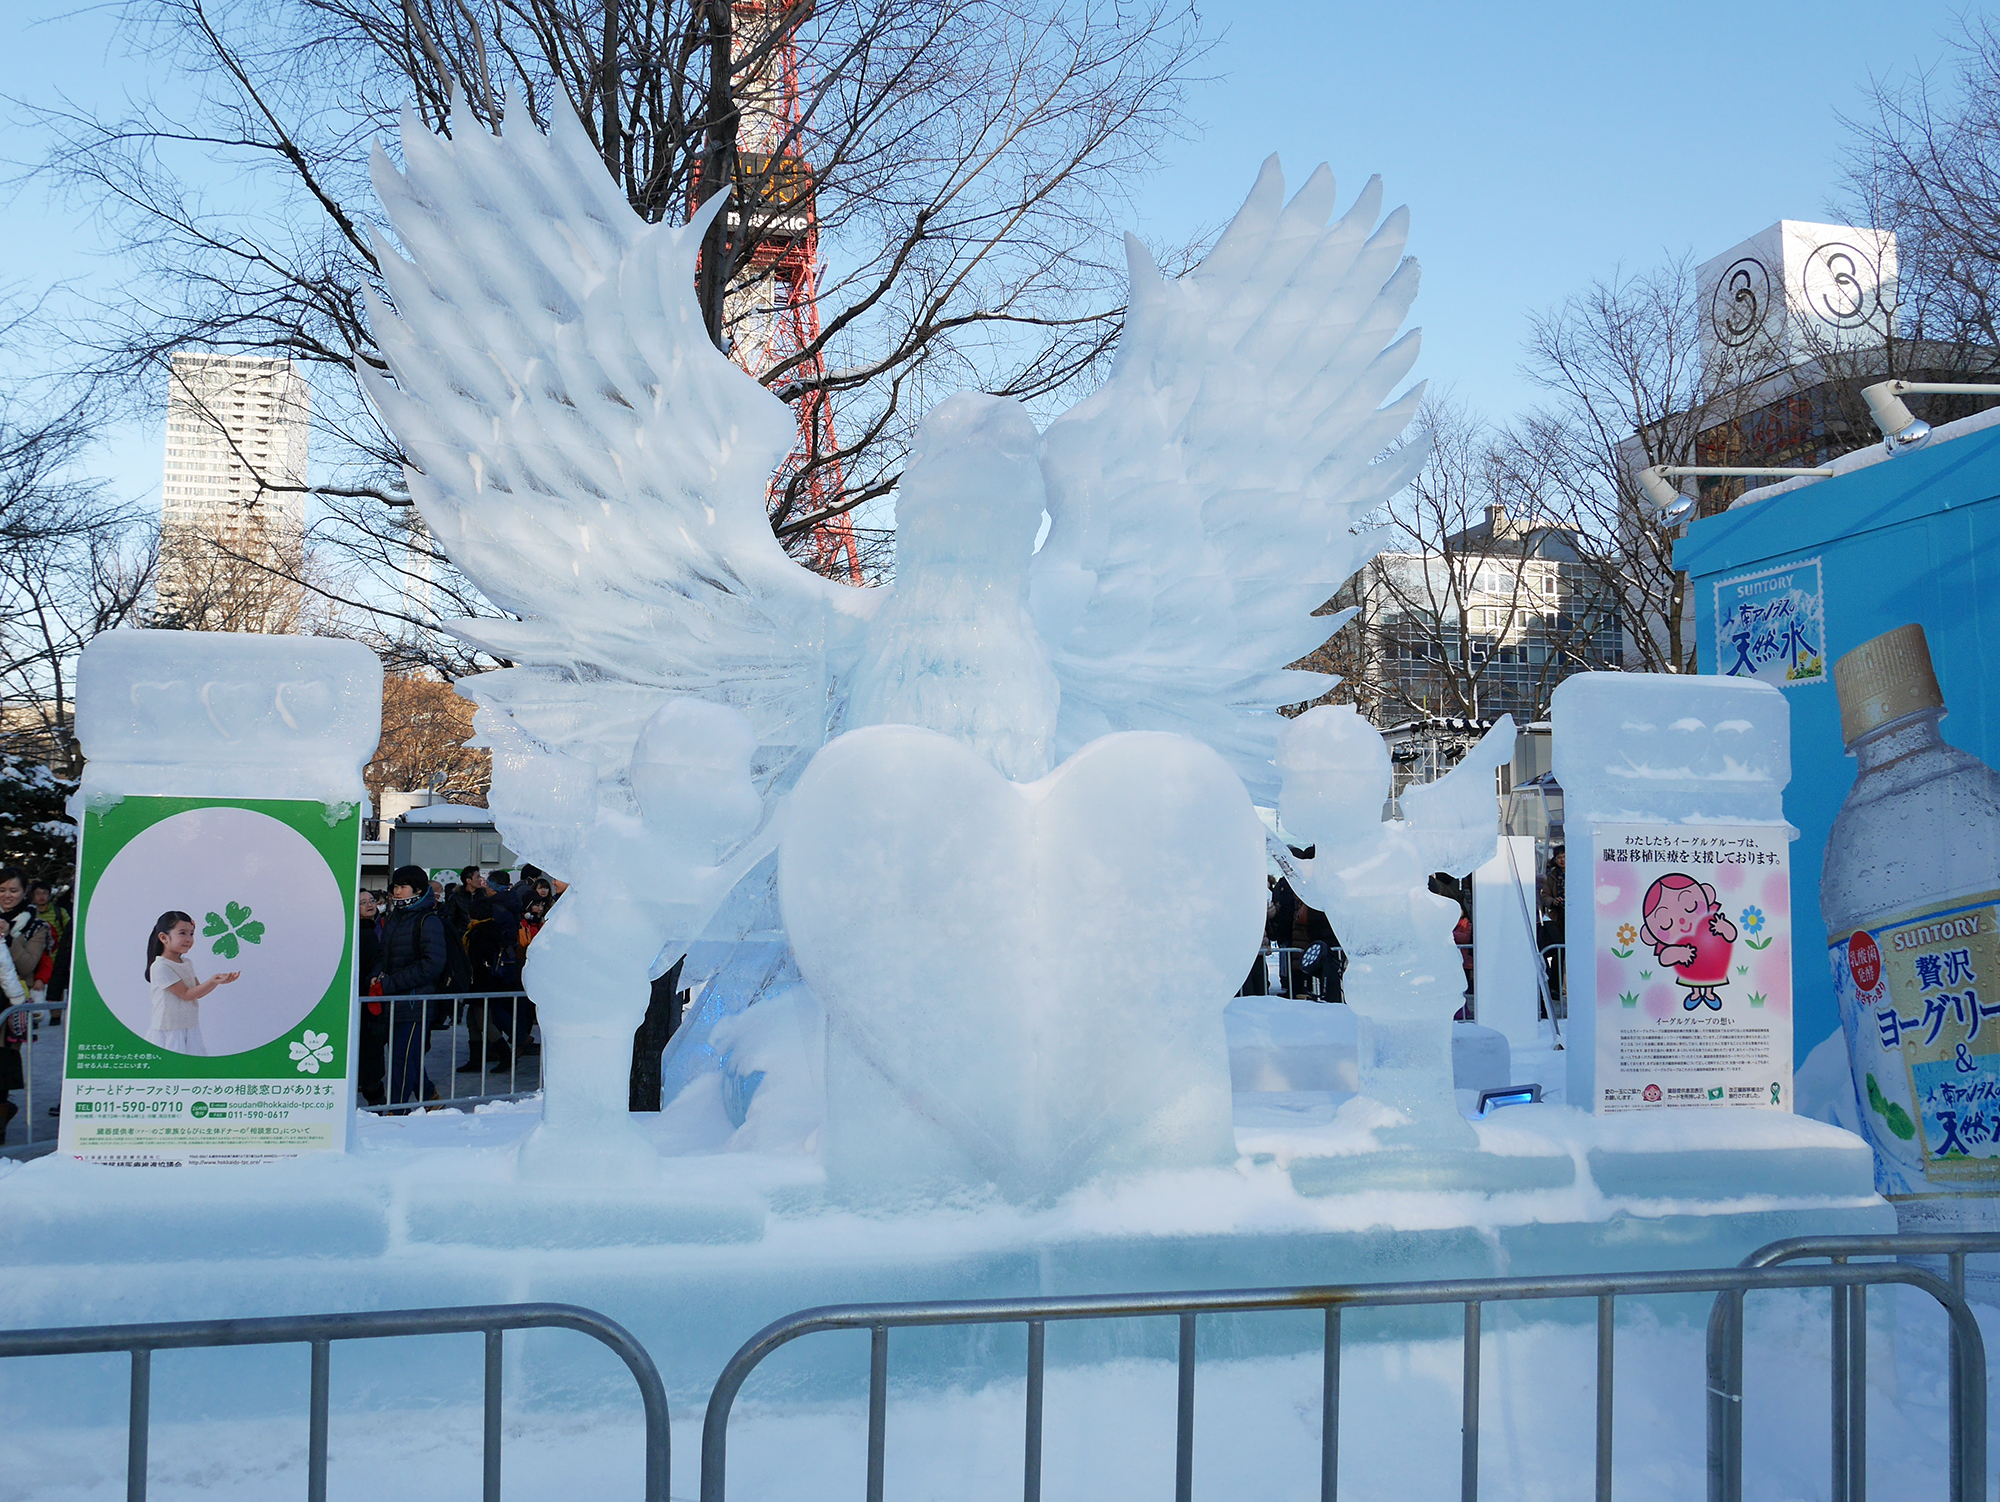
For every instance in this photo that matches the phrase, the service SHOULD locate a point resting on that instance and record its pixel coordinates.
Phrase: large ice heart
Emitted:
(1024, 984)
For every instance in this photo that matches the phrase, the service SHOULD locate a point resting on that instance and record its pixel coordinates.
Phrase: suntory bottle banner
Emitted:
(1910, 891)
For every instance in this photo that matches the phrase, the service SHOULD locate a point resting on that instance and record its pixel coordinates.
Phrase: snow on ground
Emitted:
(1109, 1430)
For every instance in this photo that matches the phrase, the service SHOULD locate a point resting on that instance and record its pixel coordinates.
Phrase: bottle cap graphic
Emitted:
(1883, 680)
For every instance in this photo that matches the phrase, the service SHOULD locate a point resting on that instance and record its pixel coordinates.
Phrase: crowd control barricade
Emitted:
(32, 1017)
(1725, 1355)
(394, 1049)
(1849, 1469)
(1780, 1265)
(1555, 960)
(1285, 974)
(320, 1331)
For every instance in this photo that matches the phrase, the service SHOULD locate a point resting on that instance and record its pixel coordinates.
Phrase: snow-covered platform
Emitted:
(428, 1211)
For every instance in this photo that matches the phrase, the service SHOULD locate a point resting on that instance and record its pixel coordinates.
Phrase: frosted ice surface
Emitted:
(1024, 985)
(955, 648)
(637, 880)
(1285, 1044)
(190, 713)
(1673, 746)
(771, 1058)
(1371, 877)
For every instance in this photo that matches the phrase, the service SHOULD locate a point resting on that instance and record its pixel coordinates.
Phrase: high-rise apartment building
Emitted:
(232, 510)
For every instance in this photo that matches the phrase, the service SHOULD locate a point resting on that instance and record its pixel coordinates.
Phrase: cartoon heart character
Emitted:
(1688, 931)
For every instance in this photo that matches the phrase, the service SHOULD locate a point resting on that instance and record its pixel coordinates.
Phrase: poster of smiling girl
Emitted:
(1691, 939)
(213, 989)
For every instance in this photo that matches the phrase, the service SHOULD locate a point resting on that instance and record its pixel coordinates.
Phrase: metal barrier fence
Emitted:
(319, 1331)
(1772, 1267)
(1850, 1364)
(1285, 969)
(28, 1009)
(1555, 959)
(1725, 1460)
(1285, 974)
(402, 1031)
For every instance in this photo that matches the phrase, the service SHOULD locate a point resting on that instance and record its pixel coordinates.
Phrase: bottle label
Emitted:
(1919, 998)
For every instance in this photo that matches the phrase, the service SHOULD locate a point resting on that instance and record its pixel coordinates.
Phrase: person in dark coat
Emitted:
(371, 1065)
(456, 910)
(415, 962)
(491, 935)
(1279, 913)
(508, 897)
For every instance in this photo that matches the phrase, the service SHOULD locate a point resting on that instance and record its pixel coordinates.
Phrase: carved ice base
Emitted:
(586, 1135)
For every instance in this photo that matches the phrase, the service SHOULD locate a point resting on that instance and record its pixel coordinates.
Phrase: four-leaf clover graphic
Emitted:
(310, 1050)
(229, 927)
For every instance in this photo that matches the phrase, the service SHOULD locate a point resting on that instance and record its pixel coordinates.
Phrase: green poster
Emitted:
(213, 1000)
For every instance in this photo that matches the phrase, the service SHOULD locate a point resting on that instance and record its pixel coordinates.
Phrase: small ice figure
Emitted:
(640, 881)
(1371, 877)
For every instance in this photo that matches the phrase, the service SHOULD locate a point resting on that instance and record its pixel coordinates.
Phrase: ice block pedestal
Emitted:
(427, 1210)
(1679, 905)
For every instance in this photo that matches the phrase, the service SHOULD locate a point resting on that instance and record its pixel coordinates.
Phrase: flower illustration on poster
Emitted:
(1754, 924)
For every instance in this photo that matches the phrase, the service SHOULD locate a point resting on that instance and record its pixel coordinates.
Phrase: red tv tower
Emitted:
(773, 309)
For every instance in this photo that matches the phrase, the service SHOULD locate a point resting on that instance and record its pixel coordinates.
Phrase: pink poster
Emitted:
(1692, 940)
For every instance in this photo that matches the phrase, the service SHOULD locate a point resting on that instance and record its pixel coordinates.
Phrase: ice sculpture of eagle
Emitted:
(584, 454)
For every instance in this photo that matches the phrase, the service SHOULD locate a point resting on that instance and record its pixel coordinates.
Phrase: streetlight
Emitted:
(1901, 428)
(1671, 505)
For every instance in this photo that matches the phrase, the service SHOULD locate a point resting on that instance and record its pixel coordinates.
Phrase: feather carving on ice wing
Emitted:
(1205, 501)
(583, 453)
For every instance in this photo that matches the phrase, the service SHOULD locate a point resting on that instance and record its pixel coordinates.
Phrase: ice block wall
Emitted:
(1654, 748)
(214, 714)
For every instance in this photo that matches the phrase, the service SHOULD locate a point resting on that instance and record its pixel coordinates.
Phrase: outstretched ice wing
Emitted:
(1204, 501)
(586, 456)
(1457, 818)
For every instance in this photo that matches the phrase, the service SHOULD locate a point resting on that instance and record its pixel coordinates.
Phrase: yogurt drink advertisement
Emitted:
(214, 988)
(1693, 949)
(1910, 890)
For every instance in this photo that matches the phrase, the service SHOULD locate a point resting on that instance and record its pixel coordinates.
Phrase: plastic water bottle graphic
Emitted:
(1910, 891)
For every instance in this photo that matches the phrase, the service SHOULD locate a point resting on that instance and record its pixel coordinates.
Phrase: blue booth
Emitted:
(1785, 585)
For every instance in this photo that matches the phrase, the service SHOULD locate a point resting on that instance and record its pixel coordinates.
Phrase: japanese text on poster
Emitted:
(1691, 937)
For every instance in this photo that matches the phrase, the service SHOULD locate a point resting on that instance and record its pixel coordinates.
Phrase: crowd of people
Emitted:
(429, 938)
(35, 970)
(463, 944)
(1302, 956)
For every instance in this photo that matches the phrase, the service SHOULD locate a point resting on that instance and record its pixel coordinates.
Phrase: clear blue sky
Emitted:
(1539, 145)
